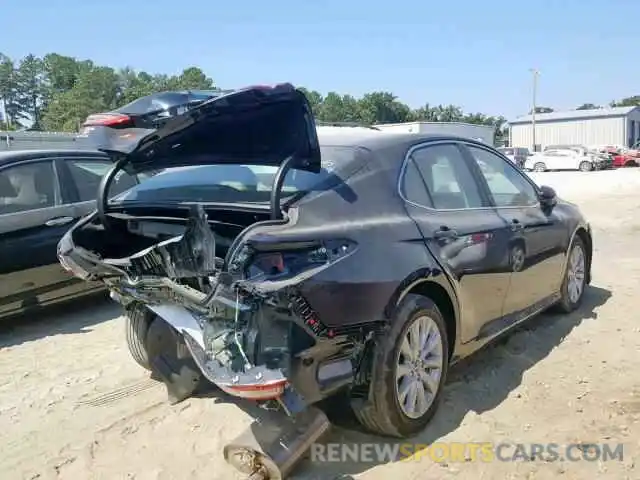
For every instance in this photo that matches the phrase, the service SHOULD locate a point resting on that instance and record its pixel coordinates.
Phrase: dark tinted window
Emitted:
(27, 187)
(162, 101)
(448, 180)
(237, 183)
(508, 187)
(86, 175)
(413, 187)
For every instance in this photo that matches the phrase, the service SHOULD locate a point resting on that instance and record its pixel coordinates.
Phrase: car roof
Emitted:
(14, 156)
(381, 140)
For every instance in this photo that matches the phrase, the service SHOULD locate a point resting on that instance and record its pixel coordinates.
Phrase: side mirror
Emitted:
(548, 196)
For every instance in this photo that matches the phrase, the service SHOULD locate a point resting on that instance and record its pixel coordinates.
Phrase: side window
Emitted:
(446, 177)
(413, 186)
(27, 187)
(507, 186)
(86, 175)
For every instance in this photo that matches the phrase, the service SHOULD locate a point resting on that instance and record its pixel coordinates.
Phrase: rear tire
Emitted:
(575, 277)
(630, 163)
(586, 166)
(407, 382)
(539, 167)
(138, 321)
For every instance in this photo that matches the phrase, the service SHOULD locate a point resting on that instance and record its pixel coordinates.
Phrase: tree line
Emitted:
(57, 93)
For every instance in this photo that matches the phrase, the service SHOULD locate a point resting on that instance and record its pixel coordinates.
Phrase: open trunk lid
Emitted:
(255, 125)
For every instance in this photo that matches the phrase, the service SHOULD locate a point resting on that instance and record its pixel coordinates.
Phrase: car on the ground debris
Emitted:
(42, 194)
(280, 260)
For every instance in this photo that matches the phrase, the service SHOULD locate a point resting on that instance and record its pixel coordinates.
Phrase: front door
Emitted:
(461, 230)
(537, 246)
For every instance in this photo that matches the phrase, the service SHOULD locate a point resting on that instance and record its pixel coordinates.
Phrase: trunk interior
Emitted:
(133, 230)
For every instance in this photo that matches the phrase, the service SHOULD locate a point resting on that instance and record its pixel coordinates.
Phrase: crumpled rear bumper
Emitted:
(255, 382)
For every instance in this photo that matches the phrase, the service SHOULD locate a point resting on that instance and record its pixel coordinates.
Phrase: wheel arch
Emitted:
(434, 285)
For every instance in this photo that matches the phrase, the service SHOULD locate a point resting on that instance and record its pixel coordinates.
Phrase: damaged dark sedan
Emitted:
(284, 261)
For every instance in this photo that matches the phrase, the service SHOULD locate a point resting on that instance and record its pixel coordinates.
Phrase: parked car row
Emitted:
(562, 157)
(622, 157)
(568, 158)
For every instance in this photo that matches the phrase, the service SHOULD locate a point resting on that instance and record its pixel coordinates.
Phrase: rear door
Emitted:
(81, 178)
(33, 218)
(537, 246)
(461, 229)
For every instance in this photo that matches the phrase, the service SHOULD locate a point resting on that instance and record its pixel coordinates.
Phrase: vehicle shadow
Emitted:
(477, 384)
(70, 317)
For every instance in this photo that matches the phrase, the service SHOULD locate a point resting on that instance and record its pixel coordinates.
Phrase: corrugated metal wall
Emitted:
(598, 131)
(633, 128)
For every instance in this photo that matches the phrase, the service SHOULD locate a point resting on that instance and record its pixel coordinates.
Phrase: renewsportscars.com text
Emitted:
(465, 452)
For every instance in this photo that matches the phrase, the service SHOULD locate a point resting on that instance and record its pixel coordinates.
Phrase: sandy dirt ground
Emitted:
(73, 405)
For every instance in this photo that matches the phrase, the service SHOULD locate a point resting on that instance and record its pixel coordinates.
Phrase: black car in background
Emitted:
(142, 115)
(363, 261)
(42, 194)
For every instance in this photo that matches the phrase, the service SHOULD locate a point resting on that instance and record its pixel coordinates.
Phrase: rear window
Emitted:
(236, 183)
(162, 101)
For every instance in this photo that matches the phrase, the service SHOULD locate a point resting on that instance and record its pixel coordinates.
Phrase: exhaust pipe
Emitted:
(271, 447)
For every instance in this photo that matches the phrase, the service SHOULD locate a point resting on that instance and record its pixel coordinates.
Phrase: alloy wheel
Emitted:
(575, 273)
(419, 367)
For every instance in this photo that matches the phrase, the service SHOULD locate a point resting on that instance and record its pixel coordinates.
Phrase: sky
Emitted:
(471, 53)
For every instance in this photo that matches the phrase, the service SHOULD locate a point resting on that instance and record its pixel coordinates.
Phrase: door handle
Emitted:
(55, 222)
(445, 232)
(516, 226)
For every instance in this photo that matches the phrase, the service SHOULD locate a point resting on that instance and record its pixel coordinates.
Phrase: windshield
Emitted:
(235, 183)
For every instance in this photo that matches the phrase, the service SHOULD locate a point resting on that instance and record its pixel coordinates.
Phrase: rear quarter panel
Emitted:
(390, 247)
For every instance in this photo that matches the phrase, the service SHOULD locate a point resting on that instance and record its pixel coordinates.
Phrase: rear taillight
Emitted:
(258, 391)
(113, 120)
(291, 258)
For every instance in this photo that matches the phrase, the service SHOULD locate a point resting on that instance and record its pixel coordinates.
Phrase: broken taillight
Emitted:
(257, 391)
(113, 120)
(292, 258)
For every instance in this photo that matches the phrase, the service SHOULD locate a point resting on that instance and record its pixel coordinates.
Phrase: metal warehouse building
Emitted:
(618, 126)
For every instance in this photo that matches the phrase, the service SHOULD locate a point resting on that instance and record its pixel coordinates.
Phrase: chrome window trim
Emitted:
(427, 144)
(536, 189)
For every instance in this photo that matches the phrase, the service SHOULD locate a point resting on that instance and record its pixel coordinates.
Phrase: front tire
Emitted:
(138, 320)
(574, 282)
(410, 366)
(586, 166)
